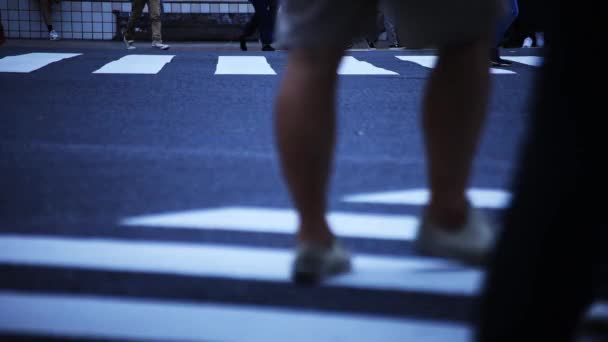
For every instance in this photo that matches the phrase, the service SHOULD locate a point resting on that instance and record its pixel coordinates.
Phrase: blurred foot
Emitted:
(470, 242)
(243, 43)
(316, 262)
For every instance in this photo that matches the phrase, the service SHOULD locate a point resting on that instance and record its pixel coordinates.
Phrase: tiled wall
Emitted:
(93, 19)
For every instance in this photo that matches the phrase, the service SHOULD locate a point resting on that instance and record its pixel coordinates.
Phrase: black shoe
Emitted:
(497, 61)
(243, 44)
(267, 47)
(394, 46)
(371, 45)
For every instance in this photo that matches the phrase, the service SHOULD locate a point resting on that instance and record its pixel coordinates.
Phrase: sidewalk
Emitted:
(118, 45)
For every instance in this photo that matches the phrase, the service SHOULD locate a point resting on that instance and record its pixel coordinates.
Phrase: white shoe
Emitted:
(53, 35)
(471, 243)
(313, 263)
(159, 45)
(527, 42)
(128, 43)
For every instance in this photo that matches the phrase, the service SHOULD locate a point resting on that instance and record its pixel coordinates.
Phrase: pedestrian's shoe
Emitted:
(540, 39)
(128, 42)
(395, 46)
(267, 47)
(53, 35)
(159, 45)
(495, 59)
(470, 243)
(314, 263)
(243, 43)
(371, 44)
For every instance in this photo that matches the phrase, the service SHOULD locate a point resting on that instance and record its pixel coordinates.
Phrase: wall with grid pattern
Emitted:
(93, 19)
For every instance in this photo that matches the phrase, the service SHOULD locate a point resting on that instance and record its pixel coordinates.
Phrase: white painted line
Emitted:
(502, 71)
(431, 61)
(480, 198)
(147, 320)
(283, 221)
(352, 66)
(243, 65)
(425, 61)
(528, 60)
(136, 64)
(197, 260)
(32, 61)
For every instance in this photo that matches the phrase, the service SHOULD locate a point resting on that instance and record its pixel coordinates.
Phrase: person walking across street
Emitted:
(316, 32)
(137, 7)
(263, 20)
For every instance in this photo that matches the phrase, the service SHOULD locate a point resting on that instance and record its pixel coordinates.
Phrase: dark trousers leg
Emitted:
(266, 15)
(250, 27)
(540, 279)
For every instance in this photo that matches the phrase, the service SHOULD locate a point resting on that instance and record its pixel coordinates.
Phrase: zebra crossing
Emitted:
(222, 273)
(226, 65)
(137, 289)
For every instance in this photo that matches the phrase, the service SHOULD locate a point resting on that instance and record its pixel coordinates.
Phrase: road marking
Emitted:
(431, 61)
(136, 64)
(244, 263)
(352, 66)
(528, 60)
(149, 320)
(32, 61)
(283, 221)
(481, 198)
(243, 65)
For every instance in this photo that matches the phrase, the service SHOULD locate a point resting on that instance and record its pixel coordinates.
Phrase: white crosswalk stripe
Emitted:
(430, 61)
(528, 60)
(243, 65)
(32, 61)
(352, 66)
(148, 320)
(284, 221)
(378, 272)
(136, 64)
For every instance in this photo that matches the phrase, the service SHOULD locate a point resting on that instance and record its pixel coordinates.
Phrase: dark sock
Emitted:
(50, 27)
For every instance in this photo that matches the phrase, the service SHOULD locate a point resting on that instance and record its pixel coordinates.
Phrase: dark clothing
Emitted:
(263, 20)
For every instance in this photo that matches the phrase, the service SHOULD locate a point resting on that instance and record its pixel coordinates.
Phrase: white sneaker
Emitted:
(128, 43)
(159, 45)
(470, 244)
(313, 263)
(53, 35)
(527, 42)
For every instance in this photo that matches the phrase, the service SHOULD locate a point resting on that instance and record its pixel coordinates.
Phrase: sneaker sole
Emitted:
(310, 278)
(446, 253)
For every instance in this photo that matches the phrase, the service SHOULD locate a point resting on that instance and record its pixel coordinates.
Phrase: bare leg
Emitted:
(305, 123)
(454, 109)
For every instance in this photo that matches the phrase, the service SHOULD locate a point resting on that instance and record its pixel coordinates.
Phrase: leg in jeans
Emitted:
(391, 31)
(137, 6)
(45, 10)
(454, 108)
(305, 123)
(155, 22)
